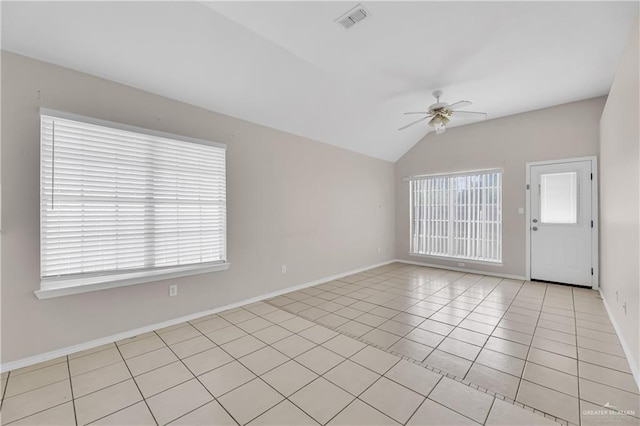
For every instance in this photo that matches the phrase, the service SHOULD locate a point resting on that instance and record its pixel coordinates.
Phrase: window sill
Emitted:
(66, 287)
(459, 259)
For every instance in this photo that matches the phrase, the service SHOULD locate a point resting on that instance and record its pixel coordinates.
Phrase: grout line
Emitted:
(138, 387)
(73, 398)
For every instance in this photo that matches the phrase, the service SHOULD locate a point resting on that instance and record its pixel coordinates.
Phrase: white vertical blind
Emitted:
(115, 200)
(457, 215)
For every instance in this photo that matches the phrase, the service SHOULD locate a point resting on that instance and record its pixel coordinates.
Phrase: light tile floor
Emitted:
(400, 345)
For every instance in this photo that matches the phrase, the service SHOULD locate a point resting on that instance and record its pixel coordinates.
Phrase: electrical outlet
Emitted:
(461, 264)
(173, 290)
(284, 269)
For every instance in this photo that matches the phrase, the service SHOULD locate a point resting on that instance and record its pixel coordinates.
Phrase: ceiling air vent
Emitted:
(353, 16)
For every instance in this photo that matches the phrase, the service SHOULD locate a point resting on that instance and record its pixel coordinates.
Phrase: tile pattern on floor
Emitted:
(547, 346)
(262, 365)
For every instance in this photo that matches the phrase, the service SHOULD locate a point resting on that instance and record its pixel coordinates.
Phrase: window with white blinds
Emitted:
(457, 215)
(119, 200)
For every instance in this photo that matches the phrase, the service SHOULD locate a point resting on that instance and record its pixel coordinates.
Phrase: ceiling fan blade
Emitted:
(412, 123)
(469, 114)
(420, 112)
(458, 105)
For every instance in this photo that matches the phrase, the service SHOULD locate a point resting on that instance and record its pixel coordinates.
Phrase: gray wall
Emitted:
(619, 200)
(319, 209)
(564, 131)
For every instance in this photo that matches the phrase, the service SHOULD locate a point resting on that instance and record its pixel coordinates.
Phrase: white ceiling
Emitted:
(289, 66)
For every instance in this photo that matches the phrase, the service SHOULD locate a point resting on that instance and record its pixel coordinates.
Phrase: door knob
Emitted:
(535, 220)
(535, 228)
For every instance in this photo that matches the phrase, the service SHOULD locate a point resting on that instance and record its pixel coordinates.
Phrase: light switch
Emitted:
(520, 210)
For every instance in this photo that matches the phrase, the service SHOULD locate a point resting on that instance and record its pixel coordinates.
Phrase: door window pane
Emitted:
(559, 197)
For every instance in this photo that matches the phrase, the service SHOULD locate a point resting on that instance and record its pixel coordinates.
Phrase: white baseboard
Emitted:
(25, 362)
(467, 270)
(633, 366)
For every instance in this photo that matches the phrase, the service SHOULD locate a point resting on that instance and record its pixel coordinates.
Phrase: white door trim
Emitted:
(595, 282)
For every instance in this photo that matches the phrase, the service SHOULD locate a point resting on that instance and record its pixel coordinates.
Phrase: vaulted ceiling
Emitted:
(290, 66)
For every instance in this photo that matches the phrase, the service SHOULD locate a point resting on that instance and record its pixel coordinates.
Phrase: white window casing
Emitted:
(457, 216)
(121, 205)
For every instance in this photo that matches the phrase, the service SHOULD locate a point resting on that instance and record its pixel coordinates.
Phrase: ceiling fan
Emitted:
(440, 113)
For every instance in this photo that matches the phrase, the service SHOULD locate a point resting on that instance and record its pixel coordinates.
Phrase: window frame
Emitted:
(86, 282)
(449, 222)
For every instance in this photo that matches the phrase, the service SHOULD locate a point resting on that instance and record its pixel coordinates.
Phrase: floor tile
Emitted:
(296, 324)
(178, 401)
(293, 346)
(371, 319)
(517, 350)
(359, 413)
(211, 413)
(550, 401)
(138, 347)
(278, 316)
(289, 377)
(226, 378)
(243, 346)
(225, 335)
(414, 377)
(179, 335)
(495, 380)
(95, 361)
(554, 379)
(206, 361)
(321, 399)
(150, 361)
(438, 327)
(600, 394)
(380, 338)
(62, 414)
(463, 399)
(355, 328)
(411, 349)
(319, 359)
(608, 377)
(284, 414)
(555, 347)
(101, 378)
(263, 360)
(343, 345)
(448, 363)
(106, 401)
(236, 316)
(431, 413)
(459, 348)
(604, 360)
(163, 378)
(502, 362)
(272, 334)
(250, 400)
(513, 336)
(468, 336)
(211, 325)
(36, 379)
(552, 360)
(135, 415)
(425, 337)
(28, 403)
(254, 324)
(192, 346)
(351, 377)
(505, 414)
(375, 359)
(318, 334)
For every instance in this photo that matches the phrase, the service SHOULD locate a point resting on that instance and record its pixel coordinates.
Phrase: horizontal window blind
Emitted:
(115, 200)
(457, 216)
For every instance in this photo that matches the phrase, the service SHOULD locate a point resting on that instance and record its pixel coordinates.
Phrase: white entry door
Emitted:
(561, 222)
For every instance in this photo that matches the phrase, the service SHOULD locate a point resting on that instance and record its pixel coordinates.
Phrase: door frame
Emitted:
(595, 282)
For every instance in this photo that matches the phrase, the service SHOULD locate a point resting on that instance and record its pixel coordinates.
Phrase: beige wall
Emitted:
(619, 199)
(319, 209)
(565, 131)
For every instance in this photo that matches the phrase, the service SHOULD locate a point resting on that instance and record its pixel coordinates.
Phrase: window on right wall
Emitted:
(457, 216)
